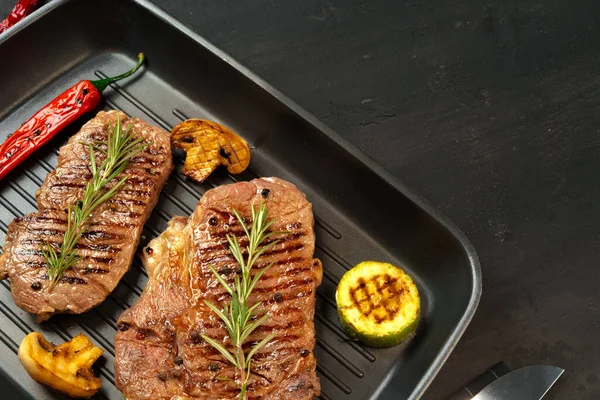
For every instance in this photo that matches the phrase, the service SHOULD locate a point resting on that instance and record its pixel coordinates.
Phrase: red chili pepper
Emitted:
(60, 112)
(21, 10)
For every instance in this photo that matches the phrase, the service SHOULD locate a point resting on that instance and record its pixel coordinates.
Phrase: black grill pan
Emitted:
(361, 211)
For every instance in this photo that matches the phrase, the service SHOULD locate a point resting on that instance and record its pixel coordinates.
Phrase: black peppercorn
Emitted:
(278, 297)
(304, 353)
(225, 271)
(36, 285)
(213, 366)
(162, 376)
(122, 326)
(149, 251)
(295, 225)
(195, 337)
(213, 221)
(265, 192)
(178, 360)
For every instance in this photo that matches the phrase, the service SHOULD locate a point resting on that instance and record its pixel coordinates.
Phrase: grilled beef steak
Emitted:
(159, 351)
(108, 245)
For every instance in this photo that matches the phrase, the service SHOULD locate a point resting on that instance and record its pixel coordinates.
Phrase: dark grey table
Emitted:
(488, 109)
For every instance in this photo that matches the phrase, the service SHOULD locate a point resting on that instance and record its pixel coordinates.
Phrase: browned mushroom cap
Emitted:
(208, 145)
(67, 367)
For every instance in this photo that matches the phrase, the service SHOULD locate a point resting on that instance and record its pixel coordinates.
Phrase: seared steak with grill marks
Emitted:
(159, 352)
(108, 245)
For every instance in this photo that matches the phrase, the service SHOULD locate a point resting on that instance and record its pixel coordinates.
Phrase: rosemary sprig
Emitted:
(239, 317)
(119, 148)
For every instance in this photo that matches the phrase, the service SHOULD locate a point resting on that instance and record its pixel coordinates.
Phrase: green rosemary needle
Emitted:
(240, 318)
(119, 148)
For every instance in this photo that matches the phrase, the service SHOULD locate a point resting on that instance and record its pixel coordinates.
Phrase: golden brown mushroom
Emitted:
(66, 368)
(208, 145)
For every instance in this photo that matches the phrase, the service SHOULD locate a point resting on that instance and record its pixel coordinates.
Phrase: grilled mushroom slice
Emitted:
(209, 145)
(66, 368)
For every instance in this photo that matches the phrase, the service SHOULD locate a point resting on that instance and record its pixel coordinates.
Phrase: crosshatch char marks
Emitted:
(159, 347)
(108, 244)
(378, 303)
(333, 344)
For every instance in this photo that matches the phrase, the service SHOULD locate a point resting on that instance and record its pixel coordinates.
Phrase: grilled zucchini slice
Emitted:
(378, 304)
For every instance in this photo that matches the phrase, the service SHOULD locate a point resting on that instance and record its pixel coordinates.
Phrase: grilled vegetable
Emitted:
(378, 304)
(208, 145)
(47, 122)
(66, 368)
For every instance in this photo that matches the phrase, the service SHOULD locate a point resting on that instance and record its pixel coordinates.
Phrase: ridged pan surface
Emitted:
(361, 212)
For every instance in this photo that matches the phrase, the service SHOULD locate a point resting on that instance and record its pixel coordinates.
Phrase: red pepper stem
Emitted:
(102, 84)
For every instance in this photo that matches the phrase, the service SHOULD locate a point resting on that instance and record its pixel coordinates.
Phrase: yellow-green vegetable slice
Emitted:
(378, 304)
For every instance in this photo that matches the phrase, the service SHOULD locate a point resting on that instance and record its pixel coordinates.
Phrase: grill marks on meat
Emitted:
(161, 354)
(108, 245)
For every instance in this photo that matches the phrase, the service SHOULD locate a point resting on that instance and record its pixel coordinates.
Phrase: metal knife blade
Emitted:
(527, 383)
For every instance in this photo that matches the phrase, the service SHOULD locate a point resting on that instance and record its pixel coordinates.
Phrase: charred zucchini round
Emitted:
(378, 304)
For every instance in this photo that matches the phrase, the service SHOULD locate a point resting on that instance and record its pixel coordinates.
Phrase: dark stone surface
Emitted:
(486, 109)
